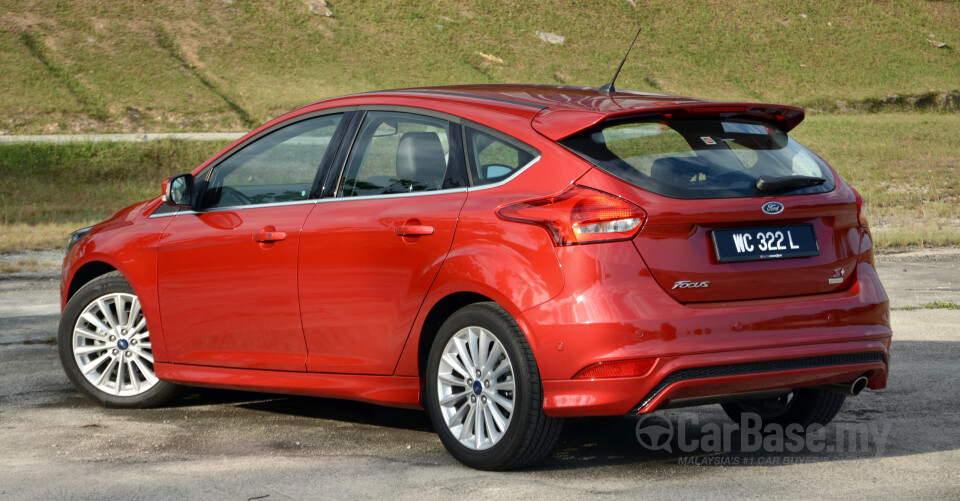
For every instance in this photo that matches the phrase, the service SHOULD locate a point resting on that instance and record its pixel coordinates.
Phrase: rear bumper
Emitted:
(716, 374)
(612, 309)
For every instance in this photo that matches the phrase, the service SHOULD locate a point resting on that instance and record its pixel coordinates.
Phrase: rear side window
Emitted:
(492, 159)
(704, 158)
(401, 153)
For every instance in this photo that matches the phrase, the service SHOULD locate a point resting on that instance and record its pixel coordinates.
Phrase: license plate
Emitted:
(770, 242)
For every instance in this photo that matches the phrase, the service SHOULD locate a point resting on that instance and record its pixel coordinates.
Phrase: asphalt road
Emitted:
(234, 445)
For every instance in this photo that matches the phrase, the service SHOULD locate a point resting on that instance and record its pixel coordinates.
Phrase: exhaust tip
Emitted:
(858, 385)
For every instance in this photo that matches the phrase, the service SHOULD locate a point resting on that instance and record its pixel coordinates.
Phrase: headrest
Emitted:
(420, 159)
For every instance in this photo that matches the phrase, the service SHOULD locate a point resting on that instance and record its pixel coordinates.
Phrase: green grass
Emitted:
(49, 190)
(79, 182)
(934, 305)
(941, 305)
(169, 65)
(906, 166)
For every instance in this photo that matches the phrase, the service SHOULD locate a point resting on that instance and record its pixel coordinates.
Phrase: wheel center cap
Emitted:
(123, 344)
(477, 388)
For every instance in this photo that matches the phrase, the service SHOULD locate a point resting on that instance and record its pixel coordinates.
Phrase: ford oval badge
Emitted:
(772, 208)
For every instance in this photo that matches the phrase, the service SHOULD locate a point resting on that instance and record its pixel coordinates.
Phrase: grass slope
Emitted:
(906, 165)
(166, 65)
(49, 190)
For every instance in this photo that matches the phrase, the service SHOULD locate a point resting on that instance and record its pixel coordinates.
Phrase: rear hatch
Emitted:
(736, 209)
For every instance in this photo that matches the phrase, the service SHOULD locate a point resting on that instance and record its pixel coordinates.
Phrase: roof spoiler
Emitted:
(558, 124)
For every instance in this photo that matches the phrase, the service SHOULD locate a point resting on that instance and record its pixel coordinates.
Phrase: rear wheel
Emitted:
(105, 346)
(802, 406)
(483, 391)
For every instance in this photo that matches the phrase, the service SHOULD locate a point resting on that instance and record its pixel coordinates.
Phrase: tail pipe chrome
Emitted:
(855, 388)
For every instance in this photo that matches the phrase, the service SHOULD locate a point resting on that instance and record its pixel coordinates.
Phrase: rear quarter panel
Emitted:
(514, 264)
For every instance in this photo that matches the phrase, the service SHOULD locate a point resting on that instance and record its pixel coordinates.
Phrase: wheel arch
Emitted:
(86, 273)
(438, 314)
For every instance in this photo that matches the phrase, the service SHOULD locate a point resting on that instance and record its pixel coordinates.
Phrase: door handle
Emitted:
(269, 237)
(414, 230)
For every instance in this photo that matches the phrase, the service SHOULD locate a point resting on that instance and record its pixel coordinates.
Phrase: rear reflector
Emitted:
(580, 215)
(617, 368)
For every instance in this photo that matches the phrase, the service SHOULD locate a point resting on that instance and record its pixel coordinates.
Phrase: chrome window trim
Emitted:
(334, 198)
(315, 201)
(508, 179)
(365, 197)
(395, 195)
(236, 208)
(170, 214)
(502, 137)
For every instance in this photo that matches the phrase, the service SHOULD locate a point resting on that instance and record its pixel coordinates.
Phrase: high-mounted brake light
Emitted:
(861, 212)
(580, 215)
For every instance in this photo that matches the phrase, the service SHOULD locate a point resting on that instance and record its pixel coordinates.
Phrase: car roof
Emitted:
(560, 111)
(558, 97)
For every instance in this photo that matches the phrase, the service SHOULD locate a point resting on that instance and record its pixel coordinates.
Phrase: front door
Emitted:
(228, 273)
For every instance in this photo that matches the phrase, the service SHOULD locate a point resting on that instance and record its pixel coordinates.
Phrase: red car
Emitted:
(503, 256)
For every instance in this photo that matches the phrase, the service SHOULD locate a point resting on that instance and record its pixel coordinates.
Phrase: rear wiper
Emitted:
(770, 183)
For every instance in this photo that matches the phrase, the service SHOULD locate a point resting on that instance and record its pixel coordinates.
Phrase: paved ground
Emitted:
(233, 445)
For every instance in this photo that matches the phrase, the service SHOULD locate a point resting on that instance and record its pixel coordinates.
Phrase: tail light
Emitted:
(861, 213)
(580, 215)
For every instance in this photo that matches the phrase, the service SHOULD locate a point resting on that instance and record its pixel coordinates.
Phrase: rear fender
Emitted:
(515, 276)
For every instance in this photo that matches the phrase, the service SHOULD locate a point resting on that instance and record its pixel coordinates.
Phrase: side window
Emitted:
(491, 159)
(399, 153)
(279, 167)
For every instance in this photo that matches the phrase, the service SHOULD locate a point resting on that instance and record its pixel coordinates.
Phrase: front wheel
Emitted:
(483, 391)
(105, 346)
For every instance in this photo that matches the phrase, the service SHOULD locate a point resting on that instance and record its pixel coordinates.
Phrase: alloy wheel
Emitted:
(111, 346)
(476, 388)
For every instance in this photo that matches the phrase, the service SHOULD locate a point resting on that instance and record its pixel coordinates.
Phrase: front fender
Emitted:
(130, 247)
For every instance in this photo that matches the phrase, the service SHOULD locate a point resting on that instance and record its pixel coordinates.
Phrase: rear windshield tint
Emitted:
(704, 158)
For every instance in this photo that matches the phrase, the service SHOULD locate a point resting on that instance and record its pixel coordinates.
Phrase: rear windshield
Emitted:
(704, 158)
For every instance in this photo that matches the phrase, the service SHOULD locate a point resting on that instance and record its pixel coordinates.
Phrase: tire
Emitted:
(105, 347)
(513, 430)
(802, 406)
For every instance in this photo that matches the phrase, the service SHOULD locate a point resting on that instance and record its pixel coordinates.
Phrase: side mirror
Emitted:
(178, 191)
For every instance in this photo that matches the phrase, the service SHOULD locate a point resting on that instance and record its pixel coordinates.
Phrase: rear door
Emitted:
(370, 252)
(227, 274)
(736, 209)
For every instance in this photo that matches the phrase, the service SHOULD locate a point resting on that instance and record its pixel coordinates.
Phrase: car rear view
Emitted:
(721, 262)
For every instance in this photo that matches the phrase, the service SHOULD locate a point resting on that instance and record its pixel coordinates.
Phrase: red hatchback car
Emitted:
(503, 256)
